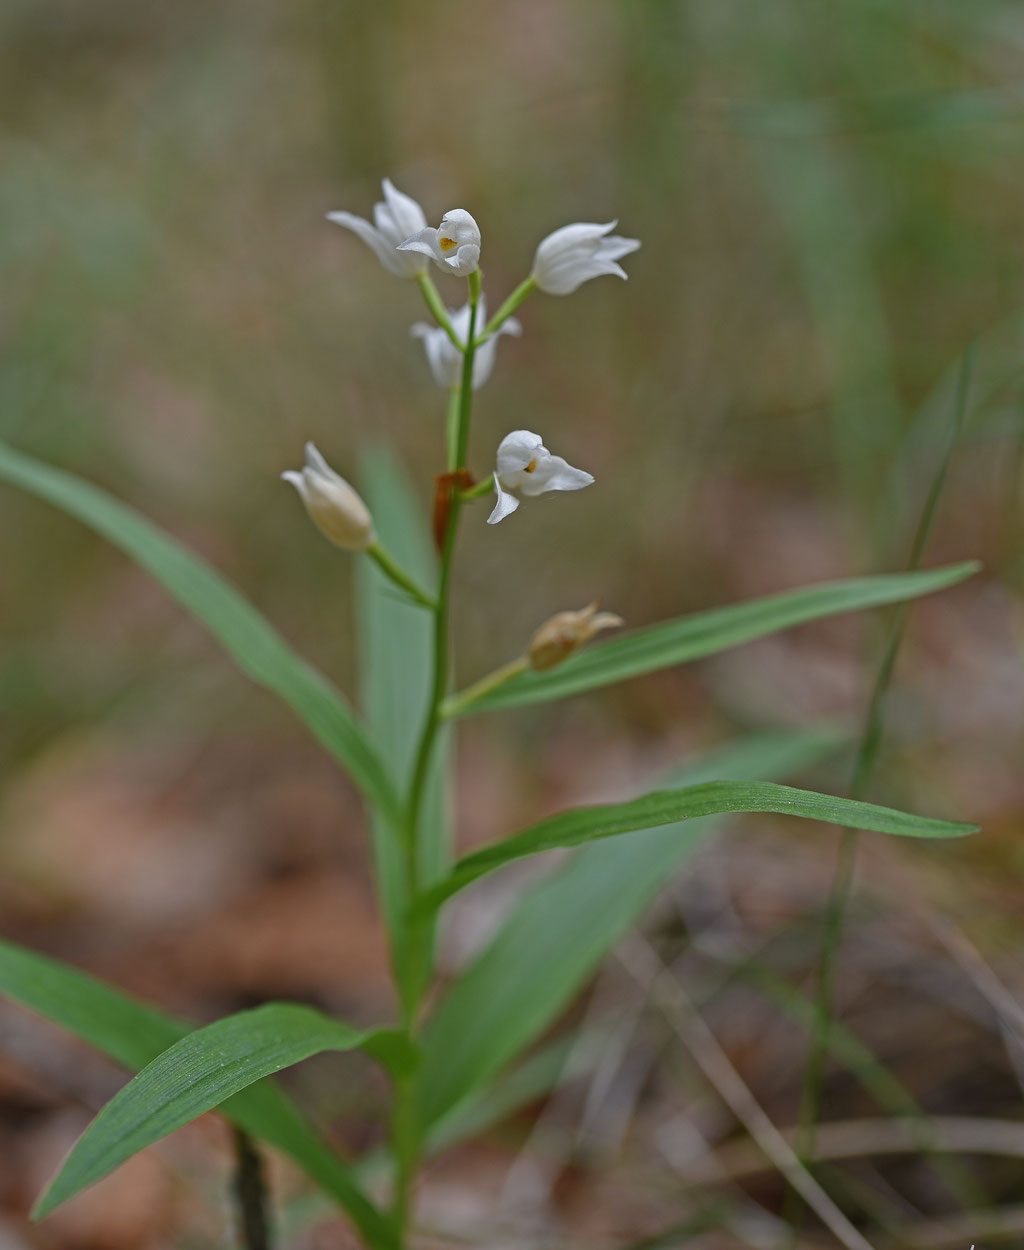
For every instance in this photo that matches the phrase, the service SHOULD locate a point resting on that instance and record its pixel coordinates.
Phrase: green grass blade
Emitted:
(196, 1074)
(587, 824)
(247, 637)
(134, 1034)
(706, 633)
(557, 934)
(396, 654)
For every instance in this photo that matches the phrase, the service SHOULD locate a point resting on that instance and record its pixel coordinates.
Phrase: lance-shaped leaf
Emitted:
(133, 1034)
(246, 635)
(200, 1072)
(587, 824)
(556, 934)
(396, 641)
(706, 633)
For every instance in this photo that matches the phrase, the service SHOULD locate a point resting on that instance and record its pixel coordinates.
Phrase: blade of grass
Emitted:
(812, 1092)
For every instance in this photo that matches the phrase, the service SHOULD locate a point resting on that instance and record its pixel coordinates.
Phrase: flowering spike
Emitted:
(525, 465)
(575, 254)
(454, 246)
(565, 633)
(394, 219)
(334, 506)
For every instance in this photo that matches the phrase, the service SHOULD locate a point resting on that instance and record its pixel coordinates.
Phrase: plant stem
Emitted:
(432, 297)
(398, 575)
(250, 1194)
(483, 487)
(451, 430)
(456, 704)
(406, 1128)
(863, 770)
(506, 310)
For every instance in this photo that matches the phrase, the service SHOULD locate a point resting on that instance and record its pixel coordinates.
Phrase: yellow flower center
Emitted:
(531, 466)
(446, 244)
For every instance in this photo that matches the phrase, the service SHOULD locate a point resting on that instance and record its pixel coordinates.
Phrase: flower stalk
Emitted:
(507, 309)
(432, 299)
(390, 567)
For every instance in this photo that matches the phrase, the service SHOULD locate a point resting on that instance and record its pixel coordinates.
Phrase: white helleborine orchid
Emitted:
(454, 246)
(575, 254)
(525, 465)
(444, 357)
(394, 220)
(333, 505)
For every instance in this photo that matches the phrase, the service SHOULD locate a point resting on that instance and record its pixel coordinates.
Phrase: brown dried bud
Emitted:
(565, 633)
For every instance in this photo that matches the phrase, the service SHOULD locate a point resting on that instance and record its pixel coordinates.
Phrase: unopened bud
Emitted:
(565, 633)
(333, 505)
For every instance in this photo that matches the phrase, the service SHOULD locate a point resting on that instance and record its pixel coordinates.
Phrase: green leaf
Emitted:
(663, 807)
(196, 1074)
(247, 637)
(559, 931)
(706, 633)
(134, 1034)
(396, 659)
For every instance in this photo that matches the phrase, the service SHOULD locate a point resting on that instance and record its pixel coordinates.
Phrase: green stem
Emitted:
(483, 487)
(863, 770)
(432, 296)
(456, 704)
(506, 310)
(407, 1130)
(451, 430)
(387, 564)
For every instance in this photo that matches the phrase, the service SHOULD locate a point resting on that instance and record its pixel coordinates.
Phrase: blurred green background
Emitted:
(830, 199)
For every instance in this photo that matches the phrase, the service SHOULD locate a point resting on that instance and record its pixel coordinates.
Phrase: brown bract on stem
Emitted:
(447, 485)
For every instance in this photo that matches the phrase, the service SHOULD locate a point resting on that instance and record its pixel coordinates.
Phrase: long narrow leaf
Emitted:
(395, 650)
(559, 931)
(663, 807)
(196, 1074)
(706, 633)
(247, 637)
(134, 1034)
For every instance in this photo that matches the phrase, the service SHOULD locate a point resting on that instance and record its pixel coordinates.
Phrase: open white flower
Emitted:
(333, 505)
(454, 246)
(394, 220)
(575, 254)
(525, 465)
(444, 357)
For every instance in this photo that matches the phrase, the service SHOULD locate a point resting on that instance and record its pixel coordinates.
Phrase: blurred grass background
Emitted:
(830, 202)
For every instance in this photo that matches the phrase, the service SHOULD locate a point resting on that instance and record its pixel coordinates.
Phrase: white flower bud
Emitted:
(454, 246)
(565, 633)
(575, 254)
(333, 505)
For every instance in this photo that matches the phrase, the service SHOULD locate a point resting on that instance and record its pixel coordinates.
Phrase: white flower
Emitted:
(333, 505)
(575, 254)
(526, 465)
(444, 357)
(454, 246)
(395, 219)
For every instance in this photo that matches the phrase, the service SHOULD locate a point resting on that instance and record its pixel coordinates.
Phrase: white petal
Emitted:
(554, 473)
(405, 212)
(463, 261)
(424, 241)
(505, 506)
(373, 238)
(515, 451)
(510, 326)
